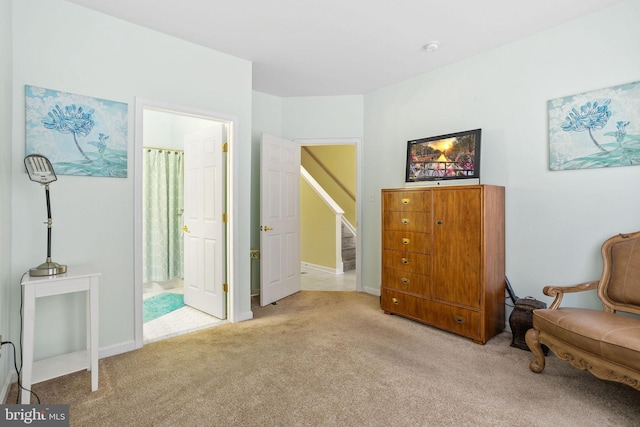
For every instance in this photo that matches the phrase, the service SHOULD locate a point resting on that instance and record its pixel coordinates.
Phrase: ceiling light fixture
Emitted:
(431, 46)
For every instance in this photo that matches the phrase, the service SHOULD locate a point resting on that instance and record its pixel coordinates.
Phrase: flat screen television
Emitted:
(451, 159)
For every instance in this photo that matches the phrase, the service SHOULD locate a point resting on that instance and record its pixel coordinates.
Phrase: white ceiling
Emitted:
(345, 47)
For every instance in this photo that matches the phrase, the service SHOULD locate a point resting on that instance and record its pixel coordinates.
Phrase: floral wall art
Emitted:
(80, 135)
(595, 129)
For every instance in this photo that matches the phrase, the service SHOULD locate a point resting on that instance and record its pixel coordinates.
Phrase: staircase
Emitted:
(348, 249)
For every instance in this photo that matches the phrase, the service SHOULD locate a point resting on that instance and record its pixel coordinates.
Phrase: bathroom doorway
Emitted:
(170, 308)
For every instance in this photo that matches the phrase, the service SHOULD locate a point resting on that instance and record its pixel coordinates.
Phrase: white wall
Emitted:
(62, 46)
(555, 221)
(5, 190)
(322, 117)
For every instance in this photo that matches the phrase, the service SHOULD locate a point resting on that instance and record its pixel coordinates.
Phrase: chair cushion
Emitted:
(607, 335)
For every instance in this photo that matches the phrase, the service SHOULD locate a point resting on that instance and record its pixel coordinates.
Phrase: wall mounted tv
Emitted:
(452, 159)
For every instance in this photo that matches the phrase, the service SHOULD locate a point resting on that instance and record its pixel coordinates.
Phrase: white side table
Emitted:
(80, 279)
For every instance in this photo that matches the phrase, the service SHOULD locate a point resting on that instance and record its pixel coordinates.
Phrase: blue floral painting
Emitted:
(595, 129)
(80, 135)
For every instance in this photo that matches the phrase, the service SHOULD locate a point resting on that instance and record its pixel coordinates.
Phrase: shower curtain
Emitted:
(162, 206)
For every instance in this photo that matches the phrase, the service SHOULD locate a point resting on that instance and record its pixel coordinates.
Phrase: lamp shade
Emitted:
(39, 169)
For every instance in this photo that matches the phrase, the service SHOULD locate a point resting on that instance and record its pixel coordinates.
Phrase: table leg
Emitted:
(93, 344)
(29, 314)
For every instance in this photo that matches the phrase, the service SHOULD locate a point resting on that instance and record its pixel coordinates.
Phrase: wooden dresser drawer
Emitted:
(407, 261)
(395, 302)
(407, 201)
(407, 241)
(406, 281)
(457, 320)
(447, 317)
(419, 222)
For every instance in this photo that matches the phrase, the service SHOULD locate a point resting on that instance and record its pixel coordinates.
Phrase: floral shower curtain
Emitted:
(162, 206)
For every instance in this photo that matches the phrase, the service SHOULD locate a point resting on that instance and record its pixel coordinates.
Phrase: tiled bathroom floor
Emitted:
(187, 319)
(178, 322)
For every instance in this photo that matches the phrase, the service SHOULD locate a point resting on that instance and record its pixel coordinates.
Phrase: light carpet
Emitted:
(334, 359)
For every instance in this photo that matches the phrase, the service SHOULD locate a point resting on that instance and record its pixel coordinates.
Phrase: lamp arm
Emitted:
(49, 222)
(46, 192)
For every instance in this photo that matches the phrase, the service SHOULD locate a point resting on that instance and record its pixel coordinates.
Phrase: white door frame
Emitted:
(359, 187)
(232, 204)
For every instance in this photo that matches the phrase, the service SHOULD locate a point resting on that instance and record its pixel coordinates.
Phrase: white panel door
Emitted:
(279, 219)
(204, 228)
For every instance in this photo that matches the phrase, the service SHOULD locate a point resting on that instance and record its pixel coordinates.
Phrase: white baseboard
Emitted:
(248, 315)
(322, 268)
(372, 291)
(116, 349)
(6, 387)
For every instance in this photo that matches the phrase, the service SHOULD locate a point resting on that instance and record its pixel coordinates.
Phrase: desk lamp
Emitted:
(40, 170)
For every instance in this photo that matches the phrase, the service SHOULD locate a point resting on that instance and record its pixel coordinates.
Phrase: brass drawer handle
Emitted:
(405, 201)
(404, 281)
(459, 319)
(405, 241)
(405, 261)
(405, 221)
(395, 301)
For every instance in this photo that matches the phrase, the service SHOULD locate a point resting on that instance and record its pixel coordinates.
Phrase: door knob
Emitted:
(266, 228)
(185, 228)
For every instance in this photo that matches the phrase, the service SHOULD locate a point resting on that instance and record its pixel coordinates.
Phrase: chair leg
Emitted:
(532, 339)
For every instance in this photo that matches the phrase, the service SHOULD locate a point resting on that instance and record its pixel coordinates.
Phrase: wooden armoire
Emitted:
(443, 257)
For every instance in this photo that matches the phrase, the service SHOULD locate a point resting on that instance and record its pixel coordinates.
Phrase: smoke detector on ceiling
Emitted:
(431, 46)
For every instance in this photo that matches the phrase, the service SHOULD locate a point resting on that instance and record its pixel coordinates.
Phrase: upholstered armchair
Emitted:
(605, 343)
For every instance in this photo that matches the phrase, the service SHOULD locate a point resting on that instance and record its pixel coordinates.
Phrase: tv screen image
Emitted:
(450, 157)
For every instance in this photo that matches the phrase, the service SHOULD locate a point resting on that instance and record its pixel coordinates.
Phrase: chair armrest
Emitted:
(559, 291)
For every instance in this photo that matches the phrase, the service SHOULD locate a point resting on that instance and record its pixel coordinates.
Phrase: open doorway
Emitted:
(175, 274)
(280, 172)
(328, 214)
(313, 279)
